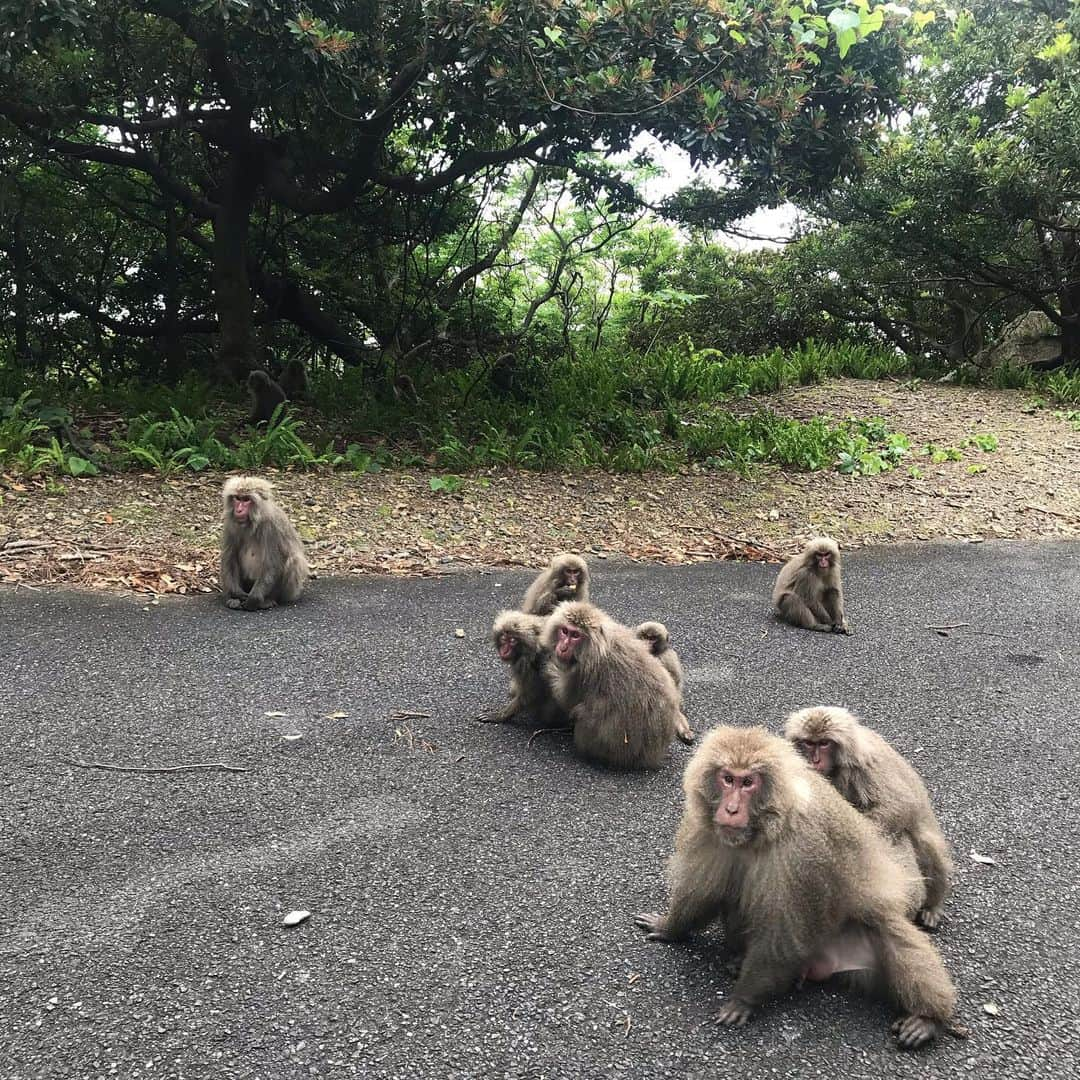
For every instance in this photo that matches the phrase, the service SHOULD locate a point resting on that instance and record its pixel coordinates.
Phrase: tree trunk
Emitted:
(286, 300)
(20, 300)
(237, 348)
(1069, 299)
(170, 343)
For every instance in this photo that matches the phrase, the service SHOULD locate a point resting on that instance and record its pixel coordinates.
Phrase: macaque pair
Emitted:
(619, 689)
(805, 885)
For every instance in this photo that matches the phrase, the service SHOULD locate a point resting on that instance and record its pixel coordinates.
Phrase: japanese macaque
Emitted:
(808, 592)
(879, 783)
(516, 637)
(262, 559)
(655, 635)
(622, 703)
(266, 396)
(805, 885)
(566, 578)
(293, 380)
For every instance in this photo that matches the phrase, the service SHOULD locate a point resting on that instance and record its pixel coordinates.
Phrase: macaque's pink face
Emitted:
(737, 790)
(508, 646)
(567, 642)
(571, 579)
(819, 752)
(241, 507)
(823, 560)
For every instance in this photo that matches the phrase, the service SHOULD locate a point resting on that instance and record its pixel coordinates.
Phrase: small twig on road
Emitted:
(147, 769)
(944, 631)
(404, 715)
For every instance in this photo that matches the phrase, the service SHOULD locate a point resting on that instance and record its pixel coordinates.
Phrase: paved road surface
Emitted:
(472, 896)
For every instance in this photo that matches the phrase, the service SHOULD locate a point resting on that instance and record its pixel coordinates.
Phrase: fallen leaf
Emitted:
(272, 714)
(991, 1008)
(292, 736)
(986, 860)
(295, 918)
(459, 632)
(335, 715)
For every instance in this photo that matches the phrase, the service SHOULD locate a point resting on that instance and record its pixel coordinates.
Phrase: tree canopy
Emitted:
(178, 172)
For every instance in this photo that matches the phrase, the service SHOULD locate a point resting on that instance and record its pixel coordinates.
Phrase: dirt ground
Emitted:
(142, 533)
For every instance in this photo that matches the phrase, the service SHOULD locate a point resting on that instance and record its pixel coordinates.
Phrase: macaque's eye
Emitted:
(748, 781)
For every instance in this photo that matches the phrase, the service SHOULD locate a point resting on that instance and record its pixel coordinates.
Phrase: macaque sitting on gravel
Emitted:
(262, 558)
(566, 578)
(808, 592)
(621, 701)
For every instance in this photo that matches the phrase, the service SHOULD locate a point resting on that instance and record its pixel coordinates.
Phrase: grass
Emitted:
(672, 409)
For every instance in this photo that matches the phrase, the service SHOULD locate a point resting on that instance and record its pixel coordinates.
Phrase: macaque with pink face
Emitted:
(516, 637)
(262, 557)
(880, 783)
(808, 592)
(622, 703)
(805, 886)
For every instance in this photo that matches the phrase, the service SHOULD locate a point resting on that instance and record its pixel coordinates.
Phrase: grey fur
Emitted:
(622, 703)
(806, 595)
(529, 691)
(802, 890)
(550, 588)
(262, 560)
(880, 783)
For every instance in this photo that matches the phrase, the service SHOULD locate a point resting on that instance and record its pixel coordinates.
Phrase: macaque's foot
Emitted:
(930, 918)
(734, 1013)
(914, 1031)
(234, 603)
(684, 731)
(252, 604)
(654, 924)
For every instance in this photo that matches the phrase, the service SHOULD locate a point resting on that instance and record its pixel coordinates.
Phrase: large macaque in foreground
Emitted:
(262, 559)
(622, 703)
(808, 592)
(566, 578)
(655, 635)
(266, 396)
(806, 886)
(516, 637)
(879, 783)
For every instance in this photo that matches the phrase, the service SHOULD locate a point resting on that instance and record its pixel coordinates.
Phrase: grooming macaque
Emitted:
(655, 635)
(805, 885)
(879, 783)
(293, 380)
(516, 637)
(566, 578)
(622, 703)
(266, 396)
(808, 592)
(262, 559)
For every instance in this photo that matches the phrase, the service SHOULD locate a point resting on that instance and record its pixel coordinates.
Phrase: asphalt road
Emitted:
(472, 895)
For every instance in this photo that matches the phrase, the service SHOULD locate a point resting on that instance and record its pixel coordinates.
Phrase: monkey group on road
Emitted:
(818, 852)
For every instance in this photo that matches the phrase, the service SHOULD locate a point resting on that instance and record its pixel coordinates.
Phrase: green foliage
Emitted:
(168, 446)
(448, 484)
(277, 443)
(986, 442)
